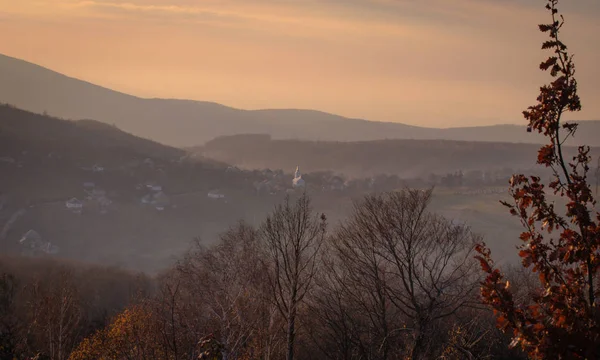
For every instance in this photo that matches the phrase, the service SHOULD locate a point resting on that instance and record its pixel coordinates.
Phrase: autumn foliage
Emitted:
(129, 336)
(561, 320)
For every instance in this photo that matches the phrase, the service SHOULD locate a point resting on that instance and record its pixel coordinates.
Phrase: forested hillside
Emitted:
(405, 158)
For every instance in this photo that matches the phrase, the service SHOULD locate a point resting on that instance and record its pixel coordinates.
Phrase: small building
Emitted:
(159, 200)
(33, 244)
(74, 204)
(216, 194)
(31, 238)
(154, 187)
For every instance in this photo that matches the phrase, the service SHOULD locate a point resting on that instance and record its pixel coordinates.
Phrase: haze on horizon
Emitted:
(440, 64)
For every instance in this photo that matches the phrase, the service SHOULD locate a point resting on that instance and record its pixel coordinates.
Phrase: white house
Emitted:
(154, 187)
(74, 204)
(216, 194)
(31, 239)
(33, 243)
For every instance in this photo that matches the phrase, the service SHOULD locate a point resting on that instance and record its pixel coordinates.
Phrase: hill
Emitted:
(188, 123)
(405, 158)
(88, 191)
(76, 139)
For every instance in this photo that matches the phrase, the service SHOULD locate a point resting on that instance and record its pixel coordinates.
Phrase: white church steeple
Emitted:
(298, 181)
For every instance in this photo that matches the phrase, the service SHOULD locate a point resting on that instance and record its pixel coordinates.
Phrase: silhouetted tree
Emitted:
(293, 235)
(394, 278)
(429, 269)
(10, 334)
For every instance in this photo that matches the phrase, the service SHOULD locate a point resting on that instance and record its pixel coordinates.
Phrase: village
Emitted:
(162, 186)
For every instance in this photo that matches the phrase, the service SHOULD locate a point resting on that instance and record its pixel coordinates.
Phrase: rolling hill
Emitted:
(405, 158)
(188, 123)
(138, 203)
(86, 139)
(46, 161)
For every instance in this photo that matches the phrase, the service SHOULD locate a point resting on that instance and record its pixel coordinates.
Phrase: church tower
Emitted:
(298, 181)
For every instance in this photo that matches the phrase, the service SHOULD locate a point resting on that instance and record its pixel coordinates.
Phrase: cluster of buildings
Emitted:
(95, 197)
(276, 182)
(32, 244)
(155, 196)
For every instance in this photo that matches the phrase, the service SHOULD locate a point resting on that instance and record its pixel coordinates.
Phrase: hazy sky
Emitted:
(422, 62)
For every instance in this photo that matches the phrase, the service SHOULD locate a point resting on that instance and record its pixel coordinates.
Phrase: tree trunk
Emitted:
(291, 332)
(419, 351)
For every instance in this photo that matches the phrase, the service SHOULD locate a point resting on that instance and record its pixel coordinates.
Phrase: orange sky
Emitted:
(428, 62)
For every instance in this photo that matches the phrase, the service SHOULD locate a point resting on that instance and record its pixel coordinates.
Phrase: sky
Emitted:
(435, 63)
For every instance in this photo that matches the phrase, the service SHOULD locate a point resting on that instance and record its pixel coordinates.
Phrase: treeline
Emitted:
(48, 307)
(401, 157)
(393, 281)
(22, 130)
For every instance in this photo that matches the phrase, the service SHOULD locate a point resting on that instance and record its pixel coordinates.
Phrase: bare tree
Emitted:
(166, 308)
(364, 287)
(10, 329)
(403, 254)
(222, 290)
(293, 236)
(56, 313)
(352, 318)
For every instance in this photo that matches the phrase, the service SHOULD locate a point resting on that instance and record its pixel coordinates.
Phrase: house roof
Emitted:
(31, 235)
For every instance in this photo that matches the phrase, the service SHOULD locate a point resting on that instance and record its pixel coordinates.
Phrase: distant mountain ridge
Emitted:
(187, 123)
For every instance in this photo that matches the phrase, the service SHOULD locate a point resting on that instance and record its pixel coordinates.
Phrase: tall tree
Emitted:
(293, 235)
(424, 261)
(10, 334)
(561, 320)
(229, 281)
(55, 314)
(360, 257)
